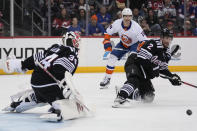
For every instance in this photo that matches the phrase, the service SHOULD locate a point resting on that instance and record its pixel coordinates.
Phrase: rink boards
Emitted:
(91, 52)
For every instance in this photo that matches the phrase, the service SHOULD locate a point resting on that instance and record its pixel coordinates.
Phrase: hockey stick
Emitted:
(69, 83)
(186, 83)
(172, 53)
(175, 50)
(121, 49)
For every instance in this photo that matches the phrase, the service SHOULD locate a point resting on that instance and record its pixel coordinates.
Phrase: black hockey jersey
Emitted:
(57, 59)
(152, 56)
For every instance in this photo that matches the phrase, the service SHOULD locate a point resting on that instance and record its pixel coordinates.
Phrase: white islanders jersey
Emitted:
(128, 36)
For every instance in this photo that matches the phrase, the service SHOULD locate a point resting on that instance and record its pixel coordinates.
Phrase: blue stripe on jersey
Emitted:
(127, 28)
(107, 45)
(110, 67)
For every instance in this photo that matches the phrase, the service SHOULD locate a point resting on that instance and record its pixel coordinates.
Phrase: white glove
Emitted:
(13, 65)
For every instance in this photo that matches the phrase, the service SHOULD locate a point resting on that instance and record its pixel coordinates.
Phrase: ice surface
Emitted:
(166, 113)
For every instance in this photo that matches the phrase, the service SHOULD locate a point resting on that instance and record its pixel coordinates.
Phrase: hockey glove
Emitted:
(176, 80)
(13, 65)
(107, 45)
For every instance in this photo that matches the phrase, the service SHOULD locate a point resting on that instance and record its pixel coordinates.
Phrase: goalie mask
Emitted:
(72, 39)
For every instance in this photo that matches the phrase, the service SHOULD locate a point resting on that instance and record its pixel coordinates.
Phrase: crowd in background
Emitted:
(152, 15)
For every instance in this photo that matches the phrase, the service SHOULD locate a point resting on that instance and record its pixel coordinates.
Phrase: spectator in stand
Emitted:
(71, 7)
(168, 11)
(83, 4)
(137, 4)
(61, 23)
(189, 29)
(109, 4)
(93, 9)
(104, 18)
(94, 28)
(190, 13)
(145, 27)
(118, 15)
(44, 9)
(1, 29)
(136, 16)
(196, 11)
(121, 4)
(155, 5)
(75, 26)
(143, 10)
(190, 10)
(195, 30)
(170, 26)
(82, 20)
(152, 21)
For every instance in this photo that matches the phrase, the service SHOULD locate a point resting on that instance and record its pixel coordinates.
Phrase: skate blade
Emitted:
(104, 87)
(127, 104)
(8, 109)
(50, 118)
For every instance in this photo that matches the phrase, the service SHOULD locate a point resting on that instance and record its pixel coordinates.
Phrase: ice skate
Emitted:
(120, 102)
(105, 83)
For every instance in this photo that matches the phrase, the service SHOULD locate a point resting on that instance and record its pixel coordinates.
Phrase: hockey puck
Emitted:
(189, 112)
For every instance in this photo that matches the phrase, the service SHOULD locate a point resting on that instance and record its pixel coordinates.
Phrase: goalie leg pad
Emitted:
(24, 106)
(25, 100)
(28, 102)
(65, 110)
(71, 109)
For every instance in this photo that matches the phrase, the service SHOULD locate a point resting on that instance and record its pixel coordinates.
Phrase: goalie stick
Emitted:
(186, 83)
(69, 83)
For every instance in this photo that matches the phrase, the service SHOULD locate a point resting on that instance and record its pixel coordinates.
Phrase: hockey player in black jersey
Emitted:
(57, 59)
(151, 59)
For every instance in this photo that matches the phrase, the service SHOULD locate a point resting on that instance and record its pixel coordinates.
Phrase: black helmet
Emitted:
(166, 32)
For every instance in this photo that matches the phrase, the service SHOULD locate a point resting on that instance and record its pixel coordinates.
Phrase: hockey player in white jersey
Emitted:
(130, 34)
(58, 60)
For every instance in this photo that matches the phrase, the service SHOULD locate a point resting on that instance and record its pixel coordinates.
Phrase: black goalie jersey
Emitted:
(57, 59)
(153, 58)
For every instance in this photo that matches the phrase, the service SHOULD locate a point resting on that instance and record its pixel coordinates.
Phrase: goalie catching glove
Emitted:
(13, 65)
(176, 80)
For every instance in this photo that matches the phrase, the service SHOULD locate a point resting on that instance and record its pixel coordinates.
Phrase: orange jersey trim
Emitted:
(109, 71)
(107, 37)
